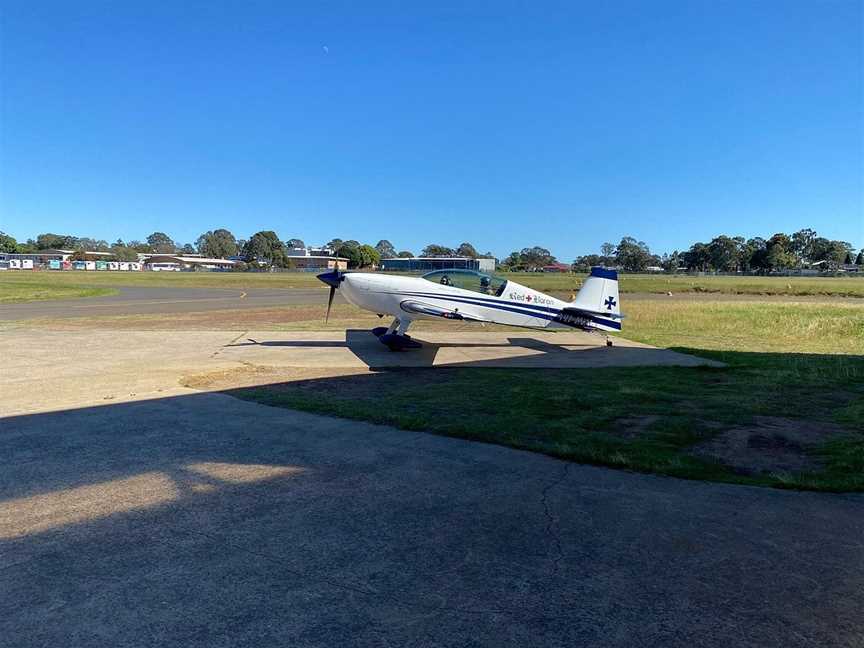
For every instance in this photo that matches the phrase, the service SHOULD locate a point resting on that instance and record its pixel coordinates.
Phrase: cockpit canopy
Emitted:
(480, 282)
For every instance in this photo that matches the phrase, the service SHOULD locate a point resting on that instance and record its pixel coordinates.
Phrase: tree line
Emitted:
(264, 248)
(804, 248)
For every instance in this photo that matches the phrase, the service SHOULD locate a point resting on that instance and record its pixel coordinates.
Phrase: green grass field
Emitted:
(32, 289)
(559, 283)
(678, 284)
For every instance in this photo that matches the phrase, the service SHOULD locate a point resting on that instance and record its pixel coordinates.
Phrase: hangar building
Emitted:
(44, 258)
(173, 261)
(313, 262)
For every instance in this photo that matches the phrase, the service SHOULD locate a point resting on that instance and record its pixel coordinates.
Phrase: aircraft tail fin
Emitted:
(599, 294)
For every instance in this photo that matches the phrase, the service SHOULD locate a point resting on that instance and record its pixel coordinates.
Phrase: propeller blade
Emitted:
(330, 303)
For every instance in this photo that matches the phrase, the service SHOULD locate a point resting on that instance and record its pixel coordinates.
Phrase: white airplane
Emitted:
(472, 296)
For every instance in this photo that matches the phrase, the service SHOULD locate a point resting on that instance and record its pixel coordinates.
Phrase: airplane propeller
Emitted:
(332, 279)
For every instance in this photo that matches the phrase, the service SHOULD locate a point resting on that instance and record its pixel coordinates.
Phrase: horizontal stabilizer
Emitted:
(587, 320)
(586, 311)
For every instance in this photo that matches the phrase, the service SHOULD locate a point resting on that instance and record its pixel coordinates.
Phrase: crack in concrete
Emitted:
(231, 342)
(552, 528)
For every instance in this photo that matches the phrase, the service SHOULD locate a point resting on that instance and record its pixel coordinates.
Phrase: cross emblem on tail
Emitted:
(610, 302)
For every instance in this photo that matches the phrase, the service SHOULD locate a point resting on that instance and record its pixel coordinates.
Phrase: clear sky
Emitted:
(506, 124)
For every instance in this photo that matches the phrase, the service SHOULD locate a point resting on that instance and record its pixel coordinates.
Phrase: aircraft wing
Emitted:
(421, 308)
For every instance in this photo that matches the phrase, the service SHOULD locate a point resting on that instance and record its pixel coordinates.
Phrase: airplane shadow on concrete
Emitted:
(538, 353)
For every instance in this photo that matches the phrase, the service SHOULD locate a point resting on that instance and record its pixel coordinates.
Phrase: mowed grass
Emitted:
(796, 362)
(561, 284)
(843, 286)
(748, 326)
(16, 291)
(109, 279)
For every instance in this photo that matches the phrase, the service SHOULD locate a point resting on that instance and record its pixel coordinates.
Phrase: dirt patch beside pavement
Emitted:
(770, 445)
(208, 320)
(255, 376)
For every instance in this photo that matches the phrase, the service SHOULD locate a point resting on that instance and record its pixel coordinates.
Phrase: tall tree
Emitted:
(265, 247)
(778, 252)
(435, 250)
(586, 262)
(724, 253)
(8, 244)
(632, 255)
(28, 247)
(92, 245)
(801, 245)
(467, 250)
(218, 244)
(123, 252)
(295, 243)
(369, 256)
(161, 243)
(833, 253)
(671, 262)
(385, 249)
(697, 257)
(56, 242)
(351, 252)
(535, 257)
(607, 250)
(139, 246)
(513, 262)
(405, 254)
(752, 253)
(859, 260)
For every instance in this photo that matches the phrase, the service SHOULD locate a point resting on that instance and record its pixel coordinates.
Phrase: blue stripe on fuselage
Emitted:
(489, 300)
(511, 307)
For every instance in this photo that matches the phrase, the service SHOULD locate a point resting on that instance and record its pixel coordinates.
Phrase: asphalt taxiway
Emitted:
(165, 300)
(154, 301)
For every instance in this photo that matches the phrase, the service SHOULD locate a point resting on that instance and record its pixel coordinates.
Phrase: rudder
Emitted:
(599, 293)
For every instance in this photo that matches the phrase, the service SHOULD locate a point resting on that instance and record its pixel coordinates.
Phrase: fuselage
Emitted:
(510, 304)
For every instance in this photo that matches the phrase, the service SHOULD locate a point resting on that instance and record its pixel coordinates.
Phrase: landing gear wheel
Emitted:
(608, 342)
(378, 331)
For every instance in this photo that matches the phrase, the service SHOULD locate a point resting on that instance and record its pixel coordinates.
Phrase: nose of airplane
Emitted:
(332, 278)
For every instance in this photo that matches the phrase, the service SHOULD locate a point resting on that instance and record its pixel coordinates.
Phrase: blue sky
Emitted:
(505, 124)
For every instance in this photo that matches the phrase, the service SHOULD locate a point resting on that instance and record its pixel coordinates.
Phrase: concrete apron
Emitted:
(53, 370)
